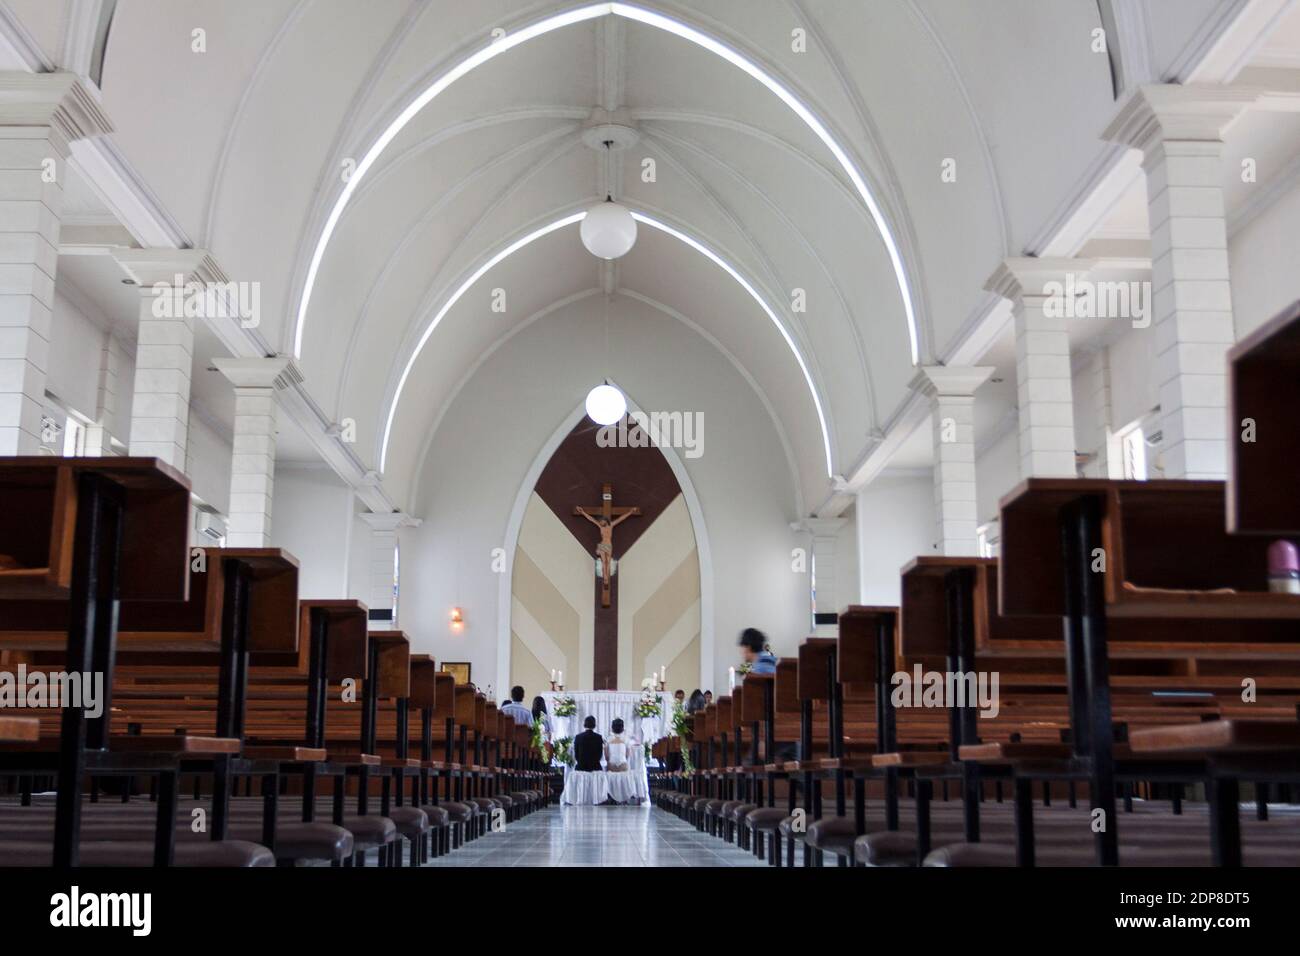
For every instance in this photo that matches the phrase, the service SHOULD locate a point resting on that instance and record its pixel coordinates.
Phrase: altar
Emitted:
(605, 705)
(589, 788)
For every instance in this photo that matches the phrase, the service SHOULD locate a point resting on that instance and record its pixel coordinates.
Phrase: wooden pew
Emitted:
(1263, 389)
(80, 535)
(183, 667)
(1263, 385)
(1175, 582)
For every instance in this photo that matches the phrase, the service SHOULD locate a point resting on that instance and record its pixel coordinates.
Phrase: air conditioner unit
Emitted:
(210, 525)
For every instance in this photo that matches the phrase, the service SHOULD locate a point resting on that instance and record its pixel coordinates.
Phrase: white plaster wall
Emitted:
(997, 471)
(312, 519)
(847, 583)
(895, 524)
(207, 462)
(1264, 262)
(76, 344)
(1133, 389)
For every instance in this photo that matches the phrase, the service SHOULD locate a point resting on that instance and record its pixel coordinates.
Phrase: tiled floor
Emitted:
(599, 836)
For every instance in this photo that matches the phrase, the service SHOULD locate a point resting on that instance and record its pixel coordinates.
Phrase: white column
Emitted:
(951, 391)
(825, 533)
(252, 459)
(1179, 130)
(380, 593)
(40, 115)
(1038, 290)
(164, 359)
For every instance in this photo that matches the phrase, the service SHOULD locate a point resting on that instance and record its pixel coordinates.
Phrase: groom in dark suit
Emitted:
(588, 747)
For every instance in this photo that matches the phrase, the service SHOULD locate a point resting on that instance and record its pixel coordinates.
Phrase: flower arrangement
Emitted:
(648, 705)
(679, 719)
(679, 731)
(565, 706)
(564, 751)
(539, 737)
(744, 668)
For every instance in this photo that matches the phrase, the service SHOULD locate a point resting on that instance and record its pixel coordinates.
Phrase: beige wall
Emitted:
(659, 602)
(551, 612)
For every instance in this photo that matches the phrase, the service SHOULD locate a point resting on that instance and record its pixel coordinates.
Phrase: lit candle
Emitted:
(560, 679)
(552, 675)
(663, 672)
(731, 677)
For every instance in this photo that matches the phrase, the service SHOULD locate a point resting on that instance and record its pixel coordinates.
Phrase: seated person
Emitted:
(516, 708)
(585, 784)
(588, 747)
(618, 765)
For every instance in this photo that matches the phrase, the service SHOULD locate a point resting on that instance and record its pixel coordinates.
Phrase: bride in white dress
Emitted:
(618, 771)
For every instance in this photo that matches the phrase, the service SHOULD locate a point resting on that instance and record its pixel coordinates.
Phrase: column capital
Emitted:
(150, 267)
(935, 381)
(255, 372)
(390, 521)
(1020, 277)
(1169, 111)
(59, 101)
(820, 527)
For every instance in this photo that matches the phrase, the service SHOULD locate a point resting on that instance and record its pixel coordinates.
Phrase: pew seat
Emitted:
(765, 818)
(225, 854)
(832, 835)
(998, 854)
(106, 821)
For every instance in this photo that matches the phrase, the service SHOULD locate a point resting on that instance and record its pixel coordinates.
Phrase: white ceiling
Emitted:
(244, 145)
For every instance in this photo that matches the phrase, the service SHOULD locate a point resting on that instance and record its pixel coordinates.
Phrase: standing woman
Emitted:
(696, 702)
(540, 716)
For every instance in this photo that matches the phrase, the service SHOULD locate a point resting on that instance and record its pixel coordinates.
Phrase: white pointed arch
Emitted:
(566, 18)
(703, 549)
(691, 242)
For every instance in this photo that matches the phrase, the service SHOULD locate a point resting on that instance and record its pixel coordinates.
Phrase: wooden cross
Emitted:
(605, 518)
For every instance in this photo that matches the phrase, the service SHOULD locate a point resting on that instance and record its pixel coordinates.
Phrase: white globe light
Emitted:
(608, 230)
(606, 405)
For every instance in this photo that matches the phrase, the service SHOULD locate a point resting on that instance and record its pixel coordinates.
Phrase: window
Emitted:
(1134, 444)
(812, 589)
(74, 438)
(397, 579)
(987, 537)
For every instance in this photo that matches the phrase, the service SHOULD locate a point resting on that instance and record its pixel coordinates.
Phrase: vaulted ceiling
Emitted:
(252, 146)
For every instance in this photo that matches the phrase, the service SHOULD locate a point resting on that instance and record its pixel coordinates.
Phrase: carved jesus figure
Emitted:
(605, 550)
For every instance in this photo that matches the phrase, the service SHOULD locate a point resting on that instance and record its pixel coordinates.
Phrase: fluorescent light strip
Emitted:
(578, 15)
(493, 49)
(762, 304)
(677, 28)
(568, 221)
(447, 306)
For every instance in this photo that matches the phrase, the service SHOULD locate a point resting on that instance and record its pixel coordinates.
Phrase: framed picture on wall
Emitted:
(459, 669)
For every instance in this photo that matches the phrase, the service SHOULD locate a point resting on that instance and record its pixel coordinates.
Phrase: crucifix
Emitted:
(606, 517)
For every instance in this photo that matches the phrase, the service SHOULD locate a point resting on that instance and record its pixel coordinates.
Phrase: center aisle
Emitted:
(599, 836)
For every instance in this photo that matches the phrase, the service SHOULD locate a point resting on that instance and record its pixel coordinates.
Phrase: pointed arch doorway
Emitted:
(660, 596)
